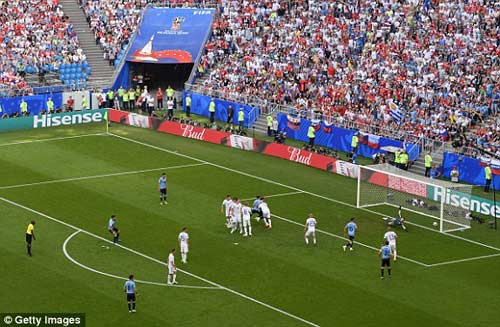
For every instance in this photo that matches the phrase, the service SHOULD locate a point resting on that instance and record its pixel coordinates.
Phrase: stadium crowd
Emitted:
(35, 37)
(428, 68)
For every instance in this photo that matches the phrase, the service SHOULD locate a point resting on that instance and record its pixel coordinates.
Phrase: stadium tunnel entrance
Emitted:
(159, 75)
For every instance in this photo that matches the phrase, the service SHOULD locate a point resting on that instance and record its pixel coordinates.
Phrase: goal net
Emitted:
(384, 184)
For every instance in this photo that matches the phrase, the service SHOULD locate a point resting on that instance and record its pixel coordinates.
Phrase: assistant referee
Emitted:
(30, 236)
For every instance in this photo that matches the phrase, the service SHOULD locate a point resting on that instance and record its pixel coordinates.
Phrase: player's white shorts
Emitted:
(236, 219)
(171, 270)
(266, 214)
(392, 245)
(311, 232)
(246, 221)
(184, 248)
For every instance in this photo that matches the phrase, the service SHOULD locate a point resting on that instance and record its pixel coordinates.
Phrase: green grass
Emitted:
(320, 284)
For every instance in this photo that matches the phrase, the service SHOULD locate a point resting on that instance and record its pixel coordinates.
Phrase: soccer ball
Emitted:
(435, 224)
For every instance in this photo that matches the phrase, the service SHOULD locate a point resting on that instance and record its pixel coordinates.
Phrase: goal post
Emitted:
(385, 184)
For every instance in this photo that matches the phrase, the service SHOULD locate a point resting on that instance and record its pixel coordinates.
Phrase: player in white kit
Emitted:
(171, 268)
(391, 236)
(235, 212)
(226, 205)
(266, 213)
(184, 244)
(310, 229)
(247, 214)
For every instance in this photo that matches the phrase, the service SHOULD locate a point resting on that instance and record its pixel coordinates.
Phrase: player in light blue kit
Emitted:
(131, 292)
(350, 231)
(162, 188)
(385, 253)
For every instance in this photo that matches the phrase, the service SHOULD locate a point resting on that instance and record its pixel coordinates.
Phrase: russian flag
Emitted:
(293, 123)
(494, 164)
(327, 127)
(363, 138)
(373, 141)
(316, 123)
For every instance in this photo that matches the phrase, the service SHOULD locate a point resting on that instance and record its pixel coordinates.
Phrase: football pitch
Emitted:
(70, 180)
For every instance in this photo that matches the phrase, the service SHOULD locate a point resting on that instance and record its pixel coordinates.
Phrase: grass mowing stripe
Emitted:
(463, 260)
(345, 239)
(52, 139)
(163, 263)
(295, 188)
(99, 176)
(70, 258)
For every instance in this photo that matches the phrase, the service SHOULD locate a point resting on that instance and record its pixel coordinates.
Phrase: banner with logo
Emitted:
(348, 169)
(304, 157)
(53, 120)
(171, 35)
(242, 142)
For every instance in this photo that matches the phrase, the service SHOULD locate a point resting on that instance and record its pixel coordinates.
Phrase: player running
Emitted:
(131, 292)
(350, 230)
(113, 229)
(162, 188)
(391, 236)
(184, 244)
(310, 229)
(247, 214)
(385, 253)
(266, 213)
(235, 212)
(172, 269)
(225, 207)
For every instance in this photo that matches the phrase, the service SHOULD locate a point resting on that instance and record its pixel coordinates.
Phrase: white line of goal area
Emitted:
(229, 290)
(70, 258)
(295, 189)
(71, 179)
(52, 139)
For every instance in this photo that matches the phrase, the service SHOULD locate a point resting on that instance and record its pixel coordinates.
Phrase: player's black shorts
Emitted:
(163, 191)
(113, 230)
(351, 238)
(386, 262)
(130, 297)
(29, 238)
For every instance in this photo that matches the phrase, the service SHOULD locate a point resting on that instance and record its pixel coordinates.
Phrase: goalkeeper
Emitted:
(397, 221)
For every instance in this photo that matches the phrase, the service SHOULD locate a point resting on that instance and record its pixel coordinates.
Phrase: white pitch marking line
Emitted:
(99, 176)
(343, 238)
(464, 260)
(292, 188)
(275, 195)
(70, 258)
(163, 263)
(52, 139)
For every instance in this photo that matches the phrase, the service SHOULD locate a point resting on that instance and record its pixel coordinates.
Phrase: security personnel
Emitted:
(159, 98)
(397, 158)
(125, 100)
(131, 99)
(211, 109)
(24, 108)
(311, 134)
(111, 97)
(188, 105)
(354, 143)
(121, 92)
(30, 236)
(50, 106)
(269, 120)
(404, 160)
(85, 103)
(487, 176)
(170, 92)
(241, 119)
(428, 164)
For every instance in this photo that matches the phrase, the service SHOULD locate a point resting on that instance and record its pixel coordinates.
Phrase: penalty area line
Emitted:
(227, 289)
(70, 258)
(275, 195)
(464, 260)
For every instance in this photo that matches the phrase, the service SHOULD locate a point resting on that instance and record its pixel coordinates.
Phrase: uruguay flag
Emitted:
(396, 113)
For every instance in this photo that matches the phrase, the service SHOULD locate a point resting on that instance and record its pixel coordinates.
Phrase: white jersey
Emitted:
(236, 208)
(247, 212)
(227, 205)
(183, 238)
(265, 210)
(391, 237)
(311, 224)
(171, 262)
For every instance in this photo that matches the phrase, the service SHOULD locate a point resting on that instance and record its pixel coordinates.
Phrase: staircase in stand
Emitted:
(102, 72)
(437, 153)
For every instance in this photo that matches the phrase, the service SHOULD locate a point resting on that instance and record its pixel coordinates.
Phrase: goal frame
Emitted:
(443, 186)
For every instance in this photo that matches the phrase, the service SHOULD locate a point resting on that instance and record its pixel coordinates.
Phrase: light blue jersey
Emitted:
(257, 203)
(130, 286)
(163, 182)
(351, 228)
(386, 252)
